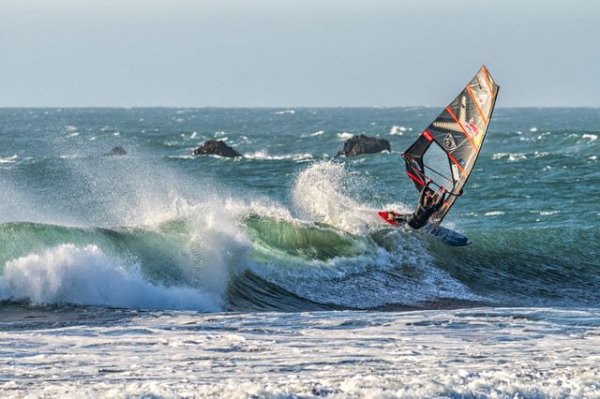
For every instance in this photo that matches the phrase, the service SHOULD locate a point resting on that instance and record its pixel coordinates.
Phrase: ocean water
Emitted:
(160, 274)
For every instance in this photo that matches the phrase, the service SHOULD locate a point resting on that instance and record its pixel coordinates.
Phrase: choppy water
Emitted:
(105, 259)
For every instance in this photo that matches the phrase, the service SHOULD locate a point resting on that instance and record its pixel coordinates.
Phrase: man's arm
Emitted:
(423, 191)
(441, 197)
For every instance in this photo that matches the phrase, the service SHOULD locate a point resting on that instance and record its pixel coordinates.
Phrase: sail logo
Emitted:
(449, 142)
(455, 172)
(481, 99)
(472, 127)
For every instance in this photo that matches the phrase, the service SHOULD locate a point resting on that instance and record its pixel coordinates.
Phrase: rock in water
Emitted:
(216, 147)
(364, 145)
(118, 150)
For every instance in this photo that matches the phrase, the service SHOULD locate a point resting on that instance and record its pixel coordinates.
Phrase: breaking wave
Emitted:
(325, 250)
(68, 274)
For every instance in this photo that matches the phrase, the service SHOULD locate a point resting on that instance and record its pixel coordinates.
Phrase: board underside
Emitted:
(445, 235)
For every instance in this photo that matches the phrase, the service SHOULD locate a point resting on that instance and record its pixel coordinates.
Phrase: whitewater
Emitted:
(160, 274)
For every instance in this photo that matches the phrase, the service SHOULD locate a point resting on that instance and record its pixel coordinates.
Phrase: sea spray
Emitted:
(326, 191)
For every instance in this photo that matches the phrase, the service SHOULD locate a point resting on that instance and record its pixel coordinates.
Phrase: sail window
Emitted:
(437, 167)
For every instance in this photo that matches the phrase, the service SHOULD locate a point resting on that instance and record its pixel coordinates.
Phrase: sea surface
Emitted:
(160, 274)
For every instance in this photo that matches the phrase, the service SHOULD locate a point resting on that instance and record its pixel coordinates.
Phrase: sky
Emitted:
(232, 53)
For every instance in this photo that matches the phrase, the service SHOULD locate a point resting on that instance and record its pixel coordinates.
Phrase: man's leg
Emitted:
(402, 219)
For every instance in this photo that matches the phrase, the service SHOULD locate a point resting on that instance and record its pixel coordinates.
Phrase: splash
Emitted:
(325, 192)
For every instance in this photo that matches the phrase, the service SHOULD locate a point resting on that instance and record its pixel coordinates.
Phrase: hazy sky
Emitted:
(293, 53)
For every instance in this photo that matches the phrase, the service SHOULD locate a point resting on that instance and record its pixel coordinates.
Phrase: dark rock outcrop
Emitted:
(364, 145)
(118, 150)
(216, 147)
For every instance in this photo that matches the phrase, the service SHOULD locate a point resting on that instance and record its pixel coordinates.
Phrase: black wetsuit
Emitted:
(422, 215)
(423, 211)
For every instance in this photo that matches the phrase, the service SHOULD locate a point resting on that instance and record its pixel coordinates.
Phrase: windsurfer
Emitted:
(429, 202)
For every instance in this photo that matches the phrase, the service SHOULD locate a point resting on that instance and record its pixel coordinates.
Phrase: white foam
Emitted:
(345, 135)
(533, 129)
(245, 139)
(516, 157)
(314, 134)
(480, 353)
(510, 156)
(260, 154)
(68, 274)
(398, 130)
(285, 112)
(546, 213)
(11, 159)
(590, 137)
(494, 213)
(542, 136)
(264, 155)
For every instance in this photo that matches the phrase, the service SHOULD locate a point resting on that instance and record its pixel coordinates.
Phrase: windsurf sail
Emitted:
(446, 151)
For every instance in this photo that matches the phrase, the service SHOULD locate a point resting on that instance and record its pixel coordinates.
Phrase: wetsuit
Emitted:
(423, 213)
(424, 210)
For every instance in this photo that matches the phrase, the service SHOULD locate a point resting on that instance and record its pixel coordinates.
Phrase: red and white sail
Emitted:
(446, 151)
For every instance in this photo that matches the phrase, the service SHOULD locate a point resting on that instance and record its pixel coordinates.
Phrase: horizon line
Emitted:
(278, 107)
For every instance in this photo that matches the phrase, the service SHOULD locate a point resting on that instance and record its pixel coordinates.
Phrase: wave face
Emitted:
(287, 227)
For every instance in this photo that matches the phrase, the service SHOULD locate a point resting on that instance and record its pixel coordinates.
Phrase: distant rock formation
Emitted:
(364, 145)
(216, 147)
(118, 150)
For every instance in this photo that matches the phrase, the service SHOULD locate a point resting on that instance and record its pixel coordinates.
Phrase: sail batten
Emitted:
(451, 143)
